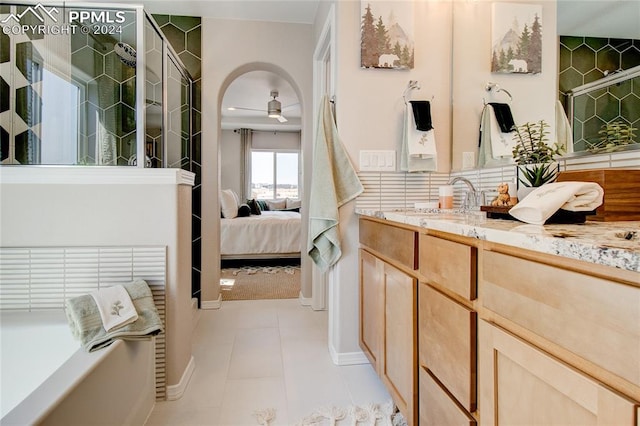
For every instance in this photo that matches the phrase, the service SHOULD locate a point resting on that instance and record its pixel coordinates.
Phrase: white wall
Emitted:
(231, 160)
(534, 96)
(84, 206)
(369, 108)
(231, 48)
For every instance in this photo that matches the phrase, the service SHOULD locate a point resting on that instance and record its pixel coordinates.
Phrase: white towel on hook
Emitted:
(501, 143)
(115, 307)
(418, 153)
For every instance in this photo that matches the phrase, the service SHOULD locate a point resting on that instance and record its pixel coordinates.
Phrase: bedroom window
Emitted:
(274, 174)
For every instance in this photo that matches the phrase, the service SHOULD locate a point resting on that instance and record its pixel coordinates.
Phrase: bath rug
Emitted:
(367, 415)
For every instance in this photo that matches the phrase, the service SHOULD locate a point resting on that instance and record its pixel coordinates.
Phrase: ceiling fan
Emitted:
(274, 108)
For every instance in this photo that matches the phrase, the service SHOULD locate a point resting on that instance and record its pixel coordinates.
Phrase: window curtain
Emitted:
(246, 136)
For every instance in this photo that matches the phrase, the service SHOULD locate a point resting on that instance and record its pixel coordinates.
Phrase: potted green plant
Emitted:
(612, 135)
(534, 157)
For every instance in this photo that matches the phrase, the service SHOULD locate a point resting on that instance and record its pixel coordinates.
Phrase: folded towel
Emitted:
(418, 152)
(502, 143)
(422, 115)
(544, 201)
(115, 307)
(86, 325)
(334, 182)
(503, 116)
(564, 134)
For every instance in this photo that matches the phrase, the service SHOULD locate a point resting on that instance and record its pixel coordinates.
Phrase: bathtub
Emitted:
(47, 378)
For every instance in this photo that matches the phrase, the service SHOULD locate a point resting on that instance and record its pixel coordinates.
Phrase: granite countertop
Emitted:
(615, 244)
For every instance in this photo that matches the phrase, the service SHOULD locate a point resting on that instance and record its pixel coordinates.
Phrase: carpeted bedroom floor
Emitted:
(260, 280)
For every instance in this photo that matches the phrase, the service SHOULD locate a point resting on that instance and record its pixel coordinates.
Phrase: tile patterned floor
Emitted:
(259, 354)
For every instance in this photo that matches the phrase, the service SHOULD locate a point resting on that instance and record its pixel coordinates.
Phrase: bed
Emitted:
(272, 234)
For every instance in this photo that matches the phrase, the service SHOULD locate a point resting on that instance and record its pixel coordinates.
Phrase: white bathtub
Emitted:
(47, 378)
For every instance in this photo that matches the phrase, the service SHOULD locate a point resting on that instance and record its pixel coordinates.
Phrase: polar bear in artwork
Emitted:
(387, 60)
(519, 65)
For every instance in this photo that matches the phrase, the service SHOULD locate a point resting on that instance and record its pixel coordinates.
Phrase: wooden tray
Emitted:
(561, 216)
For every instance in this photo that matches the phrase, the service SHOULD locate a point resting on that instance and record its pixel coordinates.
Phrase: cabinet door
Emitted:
(371, 307)
(400, 340)
(522, 385)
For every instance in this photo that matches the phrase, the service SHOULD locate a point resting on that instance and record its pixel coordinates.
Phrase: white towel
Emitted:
(334, 182)
(418, 153)
(115, 307)
(545, 200)
(501, 143)
(564, 135)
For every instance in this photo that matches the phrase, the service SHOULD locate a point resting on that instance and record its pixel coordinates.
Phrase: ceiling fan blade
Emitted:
(290, 106)
(246, 109)
(282, 119)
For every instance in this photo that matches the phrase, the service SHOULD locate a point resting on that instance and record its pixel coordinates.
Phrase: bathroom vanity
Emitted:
(469, 320)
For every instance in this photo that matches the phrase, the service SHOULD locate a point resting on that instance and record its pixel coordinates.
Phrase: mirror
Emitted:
(534, 96)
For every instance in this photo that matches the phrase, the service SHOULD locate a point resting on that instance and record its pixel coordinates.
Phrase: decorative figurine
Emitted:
(503, 198)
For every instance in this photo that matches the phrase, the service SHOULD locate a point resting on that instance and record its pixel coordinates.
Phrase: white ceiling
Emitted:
(252, 90)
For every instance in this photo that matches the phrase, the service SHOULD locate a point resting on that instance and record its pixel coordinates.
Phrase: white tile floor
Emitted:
(253, 355)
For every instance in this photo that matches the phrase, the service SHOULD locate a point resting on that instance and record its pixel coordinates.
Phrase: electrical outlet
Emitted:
(468, 160)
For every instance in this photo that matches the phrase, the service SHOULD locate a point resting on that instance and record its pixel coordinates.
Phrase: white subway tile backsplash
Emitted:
(400, 190)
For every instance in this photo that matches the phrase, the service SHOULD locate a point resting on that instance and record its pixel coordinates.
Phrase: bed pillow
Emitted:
(293, 203)
(277, 204)
(263, 205)
(254, 206)
(244, 210)
(228, 203)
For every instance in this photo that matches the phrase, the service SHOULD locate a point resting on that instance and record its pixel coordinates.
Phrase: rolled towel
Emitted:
(547, 199)
(115, 307)
(86, 325)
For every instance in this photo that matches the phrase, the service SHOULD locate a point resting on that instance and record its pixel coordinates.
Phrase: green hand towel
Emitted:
(86, 325)
(334, 183)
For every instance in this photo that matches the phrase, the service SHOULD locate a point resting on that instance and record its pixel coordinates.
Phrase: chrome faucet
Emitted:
(472, 197)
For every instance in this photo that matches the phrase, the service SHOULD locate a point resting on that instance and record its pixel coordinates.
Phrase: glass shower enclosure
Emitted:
(91, 84)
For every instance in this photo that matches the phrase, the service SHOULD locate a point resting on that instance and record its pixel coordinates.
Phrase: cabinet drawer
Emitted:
(449, 264)
(397, 244)
(436, 406)
(594, 318)
(447, 344)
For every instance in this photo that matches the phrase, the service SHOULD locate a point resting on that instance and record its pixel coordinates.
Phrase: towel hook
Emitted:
(413, 85)
(495, 87)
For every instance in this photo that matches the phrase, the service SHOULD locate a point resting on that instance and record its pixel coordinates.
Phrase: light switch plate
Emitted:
(378, 161)
(468, 160)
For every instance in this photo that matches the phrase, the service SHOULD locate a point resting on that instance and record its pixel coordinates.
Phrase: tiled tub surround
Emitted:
(596, 242)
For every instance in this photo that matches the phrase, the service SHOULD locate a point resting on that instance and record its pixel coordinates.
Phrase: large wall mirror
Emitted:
(534, 97)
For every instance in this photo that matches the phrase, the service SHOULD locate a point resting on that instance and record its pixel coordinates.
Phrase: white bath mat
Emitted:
(367, 415)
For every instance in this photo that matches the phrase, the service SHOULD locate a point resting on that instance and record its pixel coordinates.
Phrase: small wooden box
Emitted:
(621, 192)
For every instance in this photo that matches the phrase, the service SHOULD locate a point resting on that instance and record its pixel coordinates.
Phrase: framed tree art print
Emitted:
(386, 29)
(516, 36)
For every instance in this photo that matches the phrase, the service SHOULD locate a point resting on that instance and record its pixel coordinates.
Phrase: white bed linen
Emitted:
(271, 232)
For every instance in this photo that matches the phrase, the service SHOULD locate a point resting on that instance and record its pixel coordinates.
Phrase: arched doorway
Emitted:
(243, 103)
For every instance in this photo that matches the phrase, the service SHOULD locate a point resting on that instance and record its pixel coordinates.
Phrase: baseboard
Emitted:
(176, 391)
(304, 301)
(347, 358)
(211, 304)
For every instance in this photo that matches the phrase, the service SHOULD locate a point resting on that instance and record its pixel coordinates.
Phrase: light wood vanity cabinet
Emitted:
(388, 310)
(500, 335)
(561, 341)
